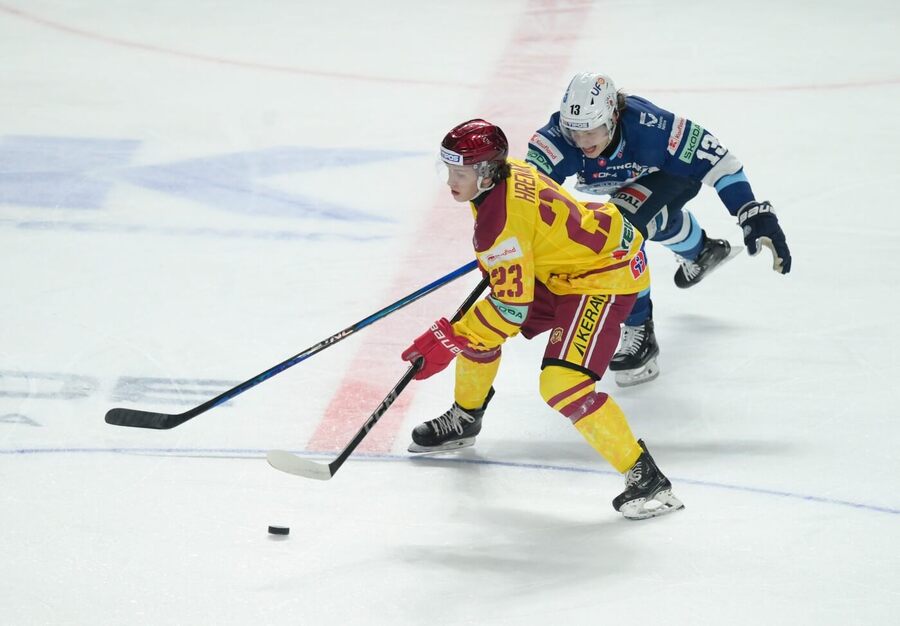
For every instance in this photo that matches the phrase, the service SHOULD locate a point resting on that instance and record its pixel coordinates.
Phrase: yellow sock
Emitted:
(596, 415)
(473, 381)
(607, 430)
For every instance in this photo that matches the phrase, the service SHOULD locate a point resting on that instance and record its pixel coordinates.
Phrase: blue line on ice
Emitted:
(257, 453)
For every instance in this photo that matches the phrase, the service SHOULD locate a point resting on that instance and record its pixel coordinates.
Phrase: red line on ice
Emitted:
(536, 47)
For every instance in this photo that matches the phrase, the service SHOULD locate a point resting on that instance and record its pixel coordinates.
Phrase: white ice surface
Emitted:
(775, 414)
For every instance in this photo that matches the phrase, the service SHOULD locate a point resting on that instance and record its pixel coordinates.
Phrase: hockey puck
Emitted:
(279, 530)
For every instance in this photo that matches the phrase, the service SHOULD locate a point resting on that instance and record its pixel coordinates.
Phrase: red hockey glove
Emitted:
(438, 345)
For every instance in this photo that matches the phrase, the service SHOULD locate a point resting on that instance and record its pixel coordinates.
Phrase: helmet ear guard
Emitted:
(488, 169)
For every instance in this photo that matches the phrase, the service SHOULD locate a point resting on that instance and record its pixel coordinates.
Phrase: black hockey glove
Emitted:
(761, 227)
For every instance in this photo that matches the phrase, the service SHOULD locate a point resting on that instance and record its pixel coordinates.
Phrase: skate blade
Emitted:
(662, 503)
(735, 251)
(459, 444)
(644, 374)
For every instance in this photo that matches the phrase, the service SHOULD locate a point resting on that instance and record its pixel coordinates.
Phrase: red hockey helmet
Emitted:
(473, 142)
(479, 144)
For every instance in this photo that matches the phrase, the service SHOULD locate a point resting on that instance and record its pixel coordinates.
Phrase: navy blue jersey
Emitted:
(647, 139)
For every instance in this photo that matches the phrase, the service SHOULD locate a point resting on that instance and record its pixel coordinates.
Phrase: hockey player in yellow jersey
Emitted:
(555, 265)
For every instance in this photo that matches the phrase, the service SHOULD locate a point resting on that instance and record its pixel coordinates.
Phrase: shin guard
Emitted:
(474, 380)
(596, 415)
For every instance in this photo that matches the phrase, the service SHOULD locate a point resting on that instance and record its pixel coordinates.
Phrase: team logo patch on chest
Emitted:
(556, 336)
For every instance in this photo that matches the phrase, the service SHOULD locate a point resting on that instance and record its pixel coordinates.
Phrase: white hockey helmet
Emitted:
(589, 102)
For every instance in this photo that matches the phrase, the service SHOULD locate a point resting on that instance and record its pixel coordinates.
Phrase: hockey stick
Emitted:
(293, 464)
(164, 421)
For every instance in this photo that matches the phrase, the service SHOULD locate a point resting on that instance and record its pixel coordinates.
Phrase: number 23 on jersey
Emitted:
(507, 281)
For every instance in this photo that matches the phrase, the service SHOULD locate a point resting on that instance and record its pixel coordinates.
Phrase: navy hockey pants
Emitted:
(654, 204)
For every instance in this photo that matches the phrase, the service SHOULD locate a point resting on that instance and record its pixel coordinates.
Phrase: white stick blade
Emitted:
(292, 464)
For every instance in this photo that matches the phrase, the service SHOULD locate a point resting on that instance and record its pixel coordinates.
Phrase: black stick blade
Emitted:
(144, 419)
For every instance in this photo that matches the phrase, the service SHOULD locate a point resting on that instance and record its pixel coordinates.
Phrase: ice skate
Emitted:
(454, 430)
(648, 493)
(635, 361)
(714, 253)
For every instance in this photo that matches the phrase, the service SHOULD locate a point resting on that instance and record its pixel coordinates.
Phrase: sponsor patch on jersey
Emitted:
(695, 131)
(538, 160)
(505, 251)
(676, 134)
(512, 313)
(449, 156)
(633, 195)
(638, 264)
(625, 243)
(549, 148)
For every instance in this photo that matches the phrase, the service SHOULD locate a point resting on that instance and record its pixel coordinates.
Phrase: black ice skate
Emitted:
(646, 485)
(453, 430)
(635, 361)
(714, 253)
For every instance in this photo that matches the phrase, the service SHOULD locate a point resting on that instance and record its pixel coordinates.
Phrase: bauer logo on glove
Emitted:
(760, 226)
(436, 347)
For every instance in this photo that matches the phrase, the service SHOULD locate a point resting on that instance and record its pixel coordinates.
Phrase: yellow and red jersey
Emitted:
(528, 228)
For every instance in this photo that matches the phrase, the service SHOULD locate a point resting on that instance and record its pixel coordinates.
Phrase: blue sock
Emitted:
(682, 236)
(642, 309)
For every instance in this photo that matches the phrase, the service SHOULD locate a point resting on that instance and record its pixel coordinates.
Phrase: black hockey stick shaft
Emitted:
(382, 408)
(163, 421)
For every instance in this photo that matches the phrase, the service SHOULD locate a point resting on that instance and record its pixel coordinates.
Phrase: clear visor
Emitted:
(598, 136)
(443, 169)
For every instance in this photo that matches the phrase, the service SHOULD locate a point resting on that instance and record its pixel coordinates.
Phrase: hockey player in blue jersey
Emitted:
(651, 163)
